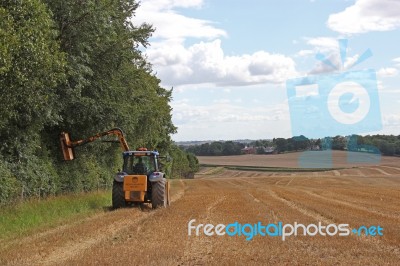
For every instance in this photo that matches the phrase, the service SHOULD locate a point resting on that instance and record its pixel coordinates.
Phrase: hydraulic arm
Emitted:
(68, 146)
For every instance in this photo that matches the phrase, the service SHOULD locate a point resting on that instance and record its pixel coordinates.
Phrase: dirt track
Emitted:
(359, 196)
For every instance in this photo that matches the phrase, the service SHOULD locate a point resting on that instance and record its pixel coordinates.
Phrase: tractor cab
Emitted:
(141, 162)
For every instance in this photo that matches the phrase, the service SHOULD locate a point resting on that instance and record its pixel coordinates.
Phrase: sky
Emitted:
(229, 62)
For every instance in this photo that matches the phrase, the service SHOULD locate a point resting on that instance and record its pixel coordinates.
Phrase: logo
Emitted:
(340, 103)
(134, 179)
(283, 231)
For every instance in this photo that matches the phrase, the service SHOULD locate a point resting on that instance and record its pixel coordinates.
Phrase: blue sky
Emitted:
(228, 61)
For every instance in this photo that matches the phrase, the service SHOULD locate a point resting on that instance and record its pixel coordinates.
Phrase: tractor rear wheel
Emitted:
(159, 197)
(118, 195)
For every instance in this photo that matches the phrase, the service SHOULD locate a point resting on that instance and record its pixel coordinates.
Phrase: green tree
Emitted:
(193, 162)
(281, 144)
(339, 143)
(110, 83)
(31, 67)
(300, 143)
(180, 164)
(216, 148)
(231, 148)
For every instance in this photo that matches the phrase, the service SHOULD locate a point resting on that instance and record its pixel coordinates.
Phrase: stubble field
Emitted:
(363, 195)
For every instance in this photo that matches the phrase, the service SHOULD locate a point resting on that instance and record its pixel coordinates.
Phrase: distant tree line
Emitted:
(216, 148)
(384, 144)
(298, 143)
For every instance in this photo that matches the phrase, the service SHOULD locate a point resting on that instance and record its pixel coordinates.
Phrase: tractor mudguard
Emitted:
(156, 176)
(119, 177)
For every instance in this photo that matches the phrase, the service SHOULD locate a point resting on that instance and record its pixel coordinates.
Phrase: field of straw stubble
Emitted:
(363, 195)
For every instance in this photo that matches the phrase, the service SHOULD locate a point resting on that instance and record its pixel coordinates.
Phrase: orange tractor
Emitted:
(140, 181)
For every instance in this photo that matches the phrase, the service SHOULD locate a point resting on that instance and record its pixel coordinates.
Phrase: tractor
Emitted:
(140, 180)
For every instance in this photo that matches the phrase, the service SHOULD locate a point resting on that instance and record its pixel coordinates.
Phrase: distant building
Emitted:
(249, 150)
(315, 148)
(269, 150)
(259, 150)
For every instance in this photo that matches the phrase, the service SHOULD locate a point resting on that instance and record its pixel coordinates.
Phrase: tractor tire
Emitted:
(118, 195)
(159, 197)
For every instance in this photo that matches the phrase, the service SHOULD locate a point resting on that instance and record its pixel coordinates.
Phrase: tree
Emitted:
(216, 148)
(300, 143)
(193, 162)
(260, 150)
(397, 147)
(318, 143)
(109, 81)
(31, 67)
(184, 164)
(231, 148)
(353, 143)
(281, 144)
(386, 147)
(339, 143)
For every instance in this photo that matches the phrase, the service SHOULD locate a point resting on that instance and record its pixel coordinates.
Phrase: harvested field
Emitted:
(368, 196)
(339, 159)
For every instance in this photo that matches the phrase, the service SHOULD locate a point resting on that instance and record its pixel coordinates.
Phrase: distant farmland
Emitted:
(290, 160)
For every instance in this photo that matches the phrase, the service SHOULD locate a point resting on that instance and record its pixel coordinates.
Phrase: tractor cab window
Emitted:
(140, 165)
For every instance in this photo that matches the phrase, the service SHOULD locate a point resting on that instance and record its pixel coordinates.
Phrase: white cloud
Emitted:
(228, 121)
(380, 86)
(170, 24)
(365, 16)
(323, 44)
(391, 120)
(350, 61)
(393, 91)
(328, 48)
(324, 67)
(222, 101)
(387, 72)
(205, 62)
(223, 111)
(397, 61)
(305, 52)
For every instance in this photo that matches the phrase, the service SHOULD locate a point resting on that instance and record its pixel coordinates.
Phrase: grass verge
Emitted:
(34, 215)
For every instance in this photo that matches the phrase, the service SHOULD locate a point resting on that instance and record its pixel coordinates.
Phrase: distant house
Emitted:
(258, 150)
(269, 150)
(249, 150)
(315, 148)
